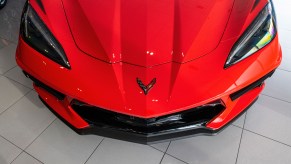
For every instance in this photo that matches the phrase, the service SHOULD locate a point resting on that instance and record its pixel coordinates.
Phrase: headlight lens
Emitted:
(36, 34)
(260, 33)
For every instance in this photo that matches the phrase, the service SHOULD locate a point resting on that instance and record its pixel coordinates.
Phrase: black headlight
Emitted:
(260, 33)
(37, 35)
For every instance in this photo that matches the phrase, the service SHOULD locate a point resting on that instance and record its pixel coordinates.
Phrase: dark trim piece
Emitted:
(39, 2)
(257, 83)
(40, 84)
(255, 4)
(145, 139)
(194, 117)
(1, 6)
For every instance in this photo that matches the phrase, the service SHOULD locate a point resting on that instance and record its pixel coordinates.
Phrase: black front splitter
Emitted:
(179, 133)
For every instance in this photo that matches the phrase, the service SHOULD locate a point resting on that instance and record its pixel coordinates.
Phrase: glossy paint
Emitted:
(100, 79)
(147, 33)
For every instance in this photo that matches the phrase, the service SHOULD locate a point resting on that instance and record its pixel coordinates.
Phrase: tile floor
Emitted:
(30, 134)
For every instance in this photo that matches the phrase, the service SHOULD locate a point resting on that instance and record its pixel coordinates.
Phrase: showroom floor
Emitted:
(31, 134)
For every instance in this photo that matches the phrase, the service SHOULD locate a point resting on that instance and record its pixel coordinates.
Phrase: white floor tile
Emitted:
(9, 28)
(13, 9)
(3, 43)
(7, 58)
(286, 62)
(24, 158)
(10, 19)
(256, 149)
(113, 151)
(282, 2)
(25, 120)
(283, 14)
(240, 121)
(284, 38)
(10, 92)
(220, 149)
(170, 160)
(161, 146)
(8, 152)
(278, 85)
(17, 75)
(271, 118)
(60, 144)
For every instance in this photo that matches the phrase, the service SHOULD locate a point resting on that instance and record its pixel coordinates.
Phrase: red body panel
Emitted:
(183, 44)
(147, 33)
(114, 86)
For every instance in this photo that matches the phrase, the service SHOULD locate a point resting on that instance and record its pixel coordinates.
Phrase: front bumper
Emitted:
(148, 131)
(236, 87)
(131, 136)
(128, 135)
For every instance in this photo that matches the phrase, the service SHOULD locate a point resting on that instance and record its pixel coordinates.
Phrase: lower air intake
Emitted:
(198, 116)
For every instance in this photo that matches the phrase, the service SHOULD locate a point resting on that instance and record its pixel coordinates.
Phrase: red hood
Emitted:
(147, 32)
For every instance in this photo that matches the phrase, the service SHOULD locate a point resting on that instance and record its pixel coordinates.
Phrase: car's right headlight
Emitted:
(37, 35)
(260, 33)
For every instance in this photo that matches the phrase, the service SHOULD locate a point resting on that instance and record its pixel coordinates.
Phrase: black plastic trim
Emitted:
(257, 83)
(194, 117)
(255, 4)
(39, 2)
(144, 139)
(4, 4)
(40, 84)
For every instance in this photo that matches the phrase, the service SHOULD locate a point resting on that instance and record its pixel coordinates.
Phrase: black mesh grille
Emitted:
(103, 118)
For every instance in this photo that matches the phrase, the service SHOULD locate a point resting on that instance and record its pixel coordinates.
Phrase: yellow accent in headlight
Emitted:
(268, 37)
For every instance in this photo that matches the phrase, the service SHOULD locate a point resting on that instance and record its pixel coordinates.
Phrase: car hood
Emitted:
(147, 32)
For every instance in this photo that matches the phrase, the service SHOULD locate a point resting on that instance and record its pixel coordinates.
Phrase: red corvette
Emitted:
(148, 70)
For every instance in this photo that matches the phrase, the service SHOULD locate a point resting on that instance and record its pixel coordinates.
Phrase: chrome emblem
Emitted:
(146, 88)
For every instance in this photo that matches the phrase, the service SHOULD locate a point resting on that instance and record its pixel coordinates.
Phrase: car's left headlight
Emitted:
(35, 33)
(260, 33)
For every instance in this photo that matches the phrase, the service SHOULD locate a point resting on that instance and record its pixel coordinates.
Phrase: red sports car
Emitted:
(148, 70)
